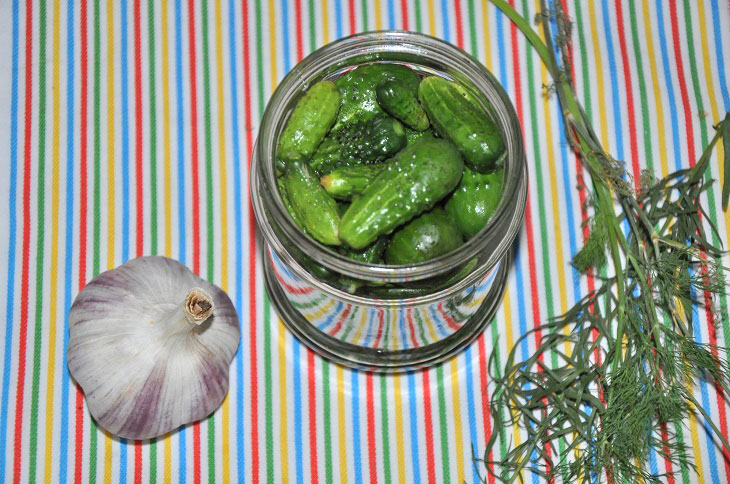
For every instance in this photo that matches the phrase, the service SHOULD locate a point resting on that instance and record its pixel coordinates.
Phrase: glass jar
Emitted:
(405, 316)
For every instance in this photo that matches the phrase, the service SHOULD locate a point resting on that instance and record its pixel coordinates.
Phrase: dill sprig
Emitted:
(626, 353)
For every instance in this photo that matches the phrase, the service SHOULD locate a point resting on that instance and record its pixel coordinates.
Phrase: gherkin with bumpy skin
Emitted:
(475, 200)
(362, 142)
(348, 181)
(416, 179)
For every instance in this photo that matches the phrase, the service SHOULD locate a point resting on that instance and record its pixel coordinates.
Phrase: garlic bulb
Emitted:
(150, 344)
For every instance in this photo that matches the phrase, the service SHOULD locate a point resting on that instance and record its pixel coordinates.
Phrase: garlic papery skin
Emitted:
(150, 345)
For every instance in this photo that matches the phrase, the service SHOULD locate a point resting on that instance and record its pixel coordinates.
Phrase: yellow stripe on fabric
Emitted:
(110, 132)
(341, 423)
(110, 187)
(167, 188)
(599, 74)
(431, 18)
(222, 187)
(716, 115)
(400, 448)
(456, 414)
(53, 274)
(487, 38)
(360, 327)
(509, 336)
(661, 132)
(166, 133)
(321, 311)
(325, 23)
(693, 430)
(283, 439)
(378, 13)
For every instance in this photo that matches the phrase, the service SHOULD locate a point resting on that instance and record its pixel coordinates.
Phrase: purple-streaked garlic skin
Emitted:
(147, 366)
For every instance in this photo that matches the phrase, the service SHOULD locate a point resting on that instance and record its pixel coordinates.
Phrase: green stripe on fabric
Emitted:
(650, 165)
(473, 30)
(153, 178)
(417, 14)
(498, 374)
(384, 427)
(38, 333)
(209, 205)
(93, 433)
(312, 28)
(365, 16)
(327, 417)
(268, 405)
(153, 158)
(442, 424)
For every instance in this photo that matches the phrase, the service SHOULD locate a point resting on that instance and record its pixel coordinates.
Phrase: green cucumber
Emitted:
(400, 102)
(456, 116)
(427, 236)
(348, 181)
(315, 208)
(475, 200)
(417, 178)
(362, 142)
(412, 135)
(371, 254)
(287, 203)
(309, 123)
(358, 90)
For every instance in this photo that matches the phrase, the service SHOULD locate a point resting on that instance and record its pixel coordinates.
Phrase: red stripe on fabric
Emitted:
(83, 207)
(253, 365)
(291, 289)
(194, 155)
(483, 383)
(298, 19)
(404, 13)
(459, 27)
(411, 328)
(137, 462)
(370, 404)
(138, 126)
(196, 193)
(449, 321)
(20, 387)
(313, 467)
(338, 326)
(353, 24)
(691, 154)
(380, 328)
(528, 211)
(629, 94)
(428, 428)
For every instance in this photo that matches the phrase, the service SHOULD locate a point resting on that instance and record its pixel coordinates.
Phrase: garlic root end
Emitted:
(198, 306)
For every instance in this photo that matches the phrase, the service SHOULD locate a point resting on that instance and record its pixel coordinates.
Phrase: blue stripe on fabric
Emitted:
(370, 332)
(402, 328)
(68, 260)
(125, 146)
(445, 18)
(704, 394)
(298, 439)
(357, 454)
(180, 137)
(285, 34)
(475, 445)
(125, 188)
(413, 411)
(720, 55)
(391, 14)
(240, 453)
(182, 468)
(338, 19)
(12, 232)
(331, 317)
(438, 320)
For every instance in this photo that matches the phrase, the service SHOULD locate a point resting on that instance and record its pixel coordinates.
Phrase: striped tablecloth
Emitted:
(126, 128)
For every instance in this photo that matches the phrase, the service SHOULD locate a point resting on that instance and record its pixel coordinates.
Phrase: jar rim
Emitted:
(388, 46)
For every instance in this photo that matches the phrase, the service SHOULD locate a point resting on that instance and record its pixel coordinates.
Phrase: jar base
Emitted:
(385, 361)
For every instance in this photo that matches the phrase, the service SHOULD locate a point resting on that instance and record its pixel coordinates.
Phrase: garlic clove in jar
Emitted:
(150, 345)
